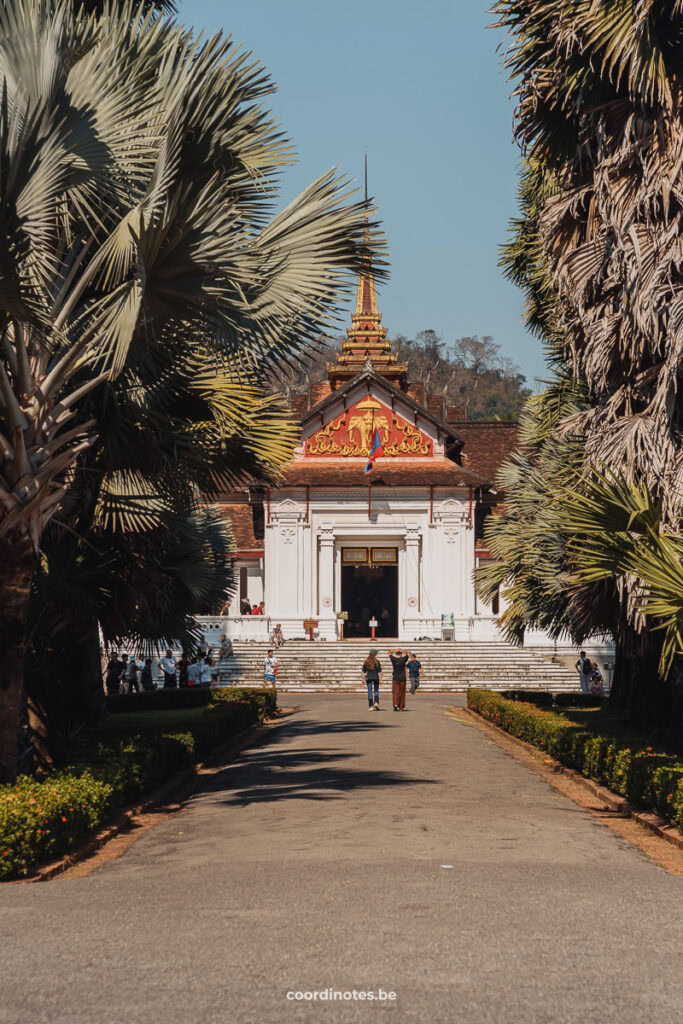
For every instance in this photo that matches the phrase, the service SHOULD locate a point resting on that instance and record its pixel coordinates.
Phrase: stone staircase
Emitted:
(305, 665)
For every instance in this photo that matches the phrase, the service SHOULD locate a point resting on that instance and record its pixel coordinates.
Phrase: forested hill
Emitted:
(469, 373)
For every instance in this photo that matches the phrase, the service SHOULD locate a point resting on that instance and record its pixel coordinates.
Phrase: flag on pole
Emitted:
(375, 451)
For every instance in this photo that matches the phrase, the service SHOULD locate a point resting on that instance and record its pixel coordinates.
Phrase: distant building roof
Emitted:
(487, 443)
(241, 517)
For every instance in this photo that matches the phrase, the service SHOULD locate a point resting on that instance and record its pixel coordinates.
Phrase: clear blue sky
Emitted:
(419, 84)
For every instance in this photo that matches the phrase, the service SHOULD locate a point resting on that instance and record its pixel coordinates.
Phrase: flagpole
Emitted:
(372, 429)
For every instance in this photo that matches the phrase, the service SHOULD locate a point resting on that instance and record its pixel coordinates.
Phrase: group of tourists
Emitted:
(402, 661)
(131, 675)
(248, 609)
(590, 676)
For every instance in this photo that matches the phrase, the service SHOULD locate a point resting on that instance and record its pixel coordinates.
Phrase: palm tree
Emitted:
(596, 250)
(138, 181)
(599, 116)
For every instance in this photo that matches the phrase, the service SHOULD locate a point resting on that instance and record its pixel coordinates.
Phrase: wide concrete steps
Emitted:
(314, 666)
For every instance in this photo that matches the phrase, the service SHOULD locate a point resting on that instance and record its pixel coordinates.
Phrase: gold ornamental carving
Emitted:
(350, 435)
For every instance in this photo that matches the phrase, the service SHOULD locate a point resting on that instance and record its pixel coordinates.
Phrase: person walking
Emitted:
(182, 665)
(399, 660)
(167, 664)
(205, 673)
(193, 673)
(146, 675)
(583, 667)
(269, 669)
(112, 679)
(597, 688)
(372, 674)
(415, 672)
(130, 674)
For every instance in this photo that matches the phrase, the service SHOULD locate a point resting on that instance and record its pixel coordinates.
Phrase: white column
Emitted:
(411, 563)
(326, 611)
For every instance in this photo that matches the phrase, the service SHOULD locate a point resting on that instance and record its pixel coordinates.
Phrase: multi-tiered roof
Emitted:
(366, 339)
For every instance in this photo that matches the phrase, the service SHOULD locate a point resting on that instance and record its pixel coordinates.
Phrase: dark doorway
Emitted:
(367, 591)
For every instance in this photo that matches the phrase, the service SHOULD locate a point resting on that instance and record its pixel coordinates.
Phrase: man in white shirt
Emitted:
(167, 666)
(193, 673)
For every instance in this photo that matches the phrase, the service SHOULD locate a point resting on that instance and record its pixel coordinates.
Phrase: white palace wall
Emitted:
(303, 545)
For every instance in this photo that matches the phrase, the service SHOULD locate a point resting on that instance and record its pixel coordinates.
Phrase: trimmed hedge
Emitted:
(265, 699)
(160, 700)
(545, 699)
(43, 820)
(648, 779)
(189, 697)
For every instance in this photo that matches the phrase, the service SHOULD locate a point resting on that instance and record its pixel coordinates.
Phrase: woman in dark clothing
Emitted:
(372, 674)
(113, 677)
(146, 675)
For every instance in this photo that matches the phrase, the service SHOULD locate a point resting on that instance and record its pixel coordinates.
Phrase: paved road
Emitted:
(316, 862)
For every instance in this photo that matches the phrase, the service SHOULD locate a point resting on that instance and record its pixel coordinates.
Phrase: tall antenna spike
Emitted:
(366, 173)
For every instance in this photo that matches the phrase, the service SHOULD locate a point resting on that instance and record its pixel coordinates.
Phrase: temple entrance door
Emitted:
(369, 591)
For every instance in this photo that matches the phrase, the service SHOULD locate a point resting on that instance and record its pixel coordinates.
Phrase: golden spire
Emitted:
(366, 339)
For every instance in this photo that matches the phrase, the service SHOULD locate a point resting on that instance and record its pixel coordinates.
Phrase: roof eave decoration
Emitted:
(371, 376)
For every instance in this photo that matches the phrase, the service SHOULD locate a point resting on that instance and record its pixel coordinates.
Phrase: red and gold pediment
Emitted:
(350, 434)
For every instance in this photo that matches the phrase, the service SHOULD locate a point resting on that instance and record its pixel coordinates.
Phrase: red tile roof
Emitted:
(390, 472)
(486, 444)
(242, 524)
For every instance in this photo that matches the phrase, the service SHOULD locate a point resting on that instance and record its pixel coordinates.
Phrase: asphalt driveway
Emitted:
(356, 851)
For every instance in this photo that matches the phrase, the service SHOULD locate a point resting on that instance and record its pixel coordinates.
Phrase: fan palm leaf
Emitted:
(138, 172)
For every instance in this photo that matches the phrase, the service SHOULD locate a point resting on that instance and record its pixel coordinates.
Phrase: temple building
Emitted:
(341, 549)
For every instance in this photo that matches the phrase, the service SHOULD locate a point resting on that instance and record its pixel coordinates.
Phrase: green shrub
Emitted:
(43, 820)
(190, 697)
(646, 778)
(265, 699)
(160, 700)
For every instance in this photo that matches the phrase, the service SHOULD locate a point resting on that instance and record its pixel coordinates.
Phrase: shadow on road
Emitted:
(268, 774)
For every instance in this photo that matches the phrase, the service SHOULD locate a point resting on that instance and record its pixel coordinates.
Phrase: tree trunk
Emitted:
(649, 702)
(17, 565)
(63, 680)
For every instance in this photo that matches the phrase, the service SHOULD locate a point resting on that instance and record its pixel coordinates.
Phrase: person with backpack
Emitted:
(372, 676)
(584, 667)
